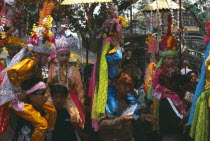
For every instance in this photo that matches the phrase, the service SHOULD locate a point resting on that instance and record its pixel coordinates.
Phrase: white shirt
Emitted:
(185, 71)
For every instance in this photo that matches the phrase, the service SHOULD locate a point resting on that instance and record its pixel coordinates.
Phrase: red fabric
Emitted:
(4, 117)
(79, 106)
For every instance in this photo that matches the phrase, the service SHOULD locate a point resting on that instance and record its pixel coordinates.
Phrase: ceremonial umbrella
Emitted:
(166, 6)
(161, 5)
(70, 2)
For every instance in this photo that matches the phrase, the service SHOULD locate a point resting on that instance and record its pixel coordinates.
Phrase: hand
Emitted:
(126, 117)
(169, 91)
(82, 100)
(75, 125)
(127, 55)
(150, 118)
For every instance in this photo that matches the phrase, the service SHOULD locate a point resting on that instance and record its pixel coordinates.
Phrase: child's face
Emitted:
(169, 61)
(59, 100)
(38, 99)
(63, 57)
(194, 77)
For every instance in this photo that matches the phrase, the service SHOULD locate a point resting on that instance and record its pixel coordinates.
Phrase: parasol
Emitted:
(162, 5)
(70, 2)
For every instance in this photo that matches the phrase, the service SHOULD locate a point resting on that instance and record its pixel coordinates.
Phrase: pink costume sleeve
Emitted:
(77, 81)
(158, 89)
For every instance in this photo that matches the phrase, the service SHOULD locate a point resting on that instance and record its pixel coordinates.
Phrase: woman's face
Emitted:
(169, 61)
(38, 99)
(63, 56)
(59, 100)
(123, 88)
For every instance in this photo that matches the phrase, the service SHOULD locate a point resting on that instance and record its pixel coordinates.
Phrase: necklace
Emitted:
(64, 81)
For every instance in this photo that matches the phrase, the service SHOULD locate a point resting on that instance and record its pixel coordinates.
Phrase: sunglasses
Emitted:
(39, 93)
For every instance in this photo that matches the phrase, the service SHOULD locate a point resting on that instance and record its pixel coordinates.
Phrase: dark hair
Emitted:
(124, 78)
(29, 83)
(190, 72)
(57, 88)
(180, 79)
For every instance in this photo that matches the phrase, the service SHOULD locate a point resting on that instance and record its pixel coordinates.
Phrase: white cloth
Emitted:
(185, 71)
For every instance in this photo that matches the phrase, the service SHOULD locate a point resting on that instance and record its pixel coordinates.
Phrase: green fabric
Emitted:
(200, 125)
(149, 93)
(169, 53)
(100, 98)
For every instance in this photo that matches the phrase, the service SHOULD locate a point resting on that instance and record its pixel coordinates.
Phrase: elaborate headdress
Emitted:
(152, 44)
(115, 23)
(169, 45)
(42, 39)
(35, 42)
(65, 43)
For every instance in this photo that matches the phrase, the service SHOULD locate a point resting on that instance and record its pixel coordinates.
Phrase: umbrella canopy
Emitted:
(162, 5)
(70, 2)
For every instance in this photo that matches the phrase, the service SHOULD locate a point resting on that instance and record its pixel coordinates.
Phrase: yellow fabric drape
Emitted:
(200, 125)
(50, 115)
(100, 98)
(39, 123)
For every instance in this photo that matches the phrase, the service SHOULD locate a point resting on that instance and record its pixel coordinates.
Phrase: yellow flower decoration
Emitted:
(123, 21)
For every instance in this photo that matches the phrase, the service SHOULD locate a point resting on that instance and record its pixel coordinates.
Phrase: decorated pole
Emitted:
(180, 33)
(131, 40)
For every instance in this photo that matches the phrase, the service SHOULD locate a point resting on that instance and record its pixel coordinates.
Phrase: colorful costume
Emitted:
(199, 113)
(14, 43)
(35, 122)
(105, 101)
(70, 77)
(11, 89)
(113, 129)
(113, 59)
(169, 47)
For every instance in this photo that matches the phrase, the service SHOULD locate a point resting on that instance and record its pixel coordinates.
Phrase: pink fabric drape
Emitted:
(77, 102)
(92, 85)
(159, 90)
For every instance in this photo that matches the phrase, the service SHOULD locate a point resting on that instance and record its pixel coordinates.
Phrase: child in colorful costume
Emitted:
(62, 73)
(26, 127)
(166, 67)
(18, 71)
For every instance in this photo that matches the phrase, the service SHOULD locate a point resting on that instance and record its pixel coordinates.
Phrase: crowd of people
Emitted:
(112, 107)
